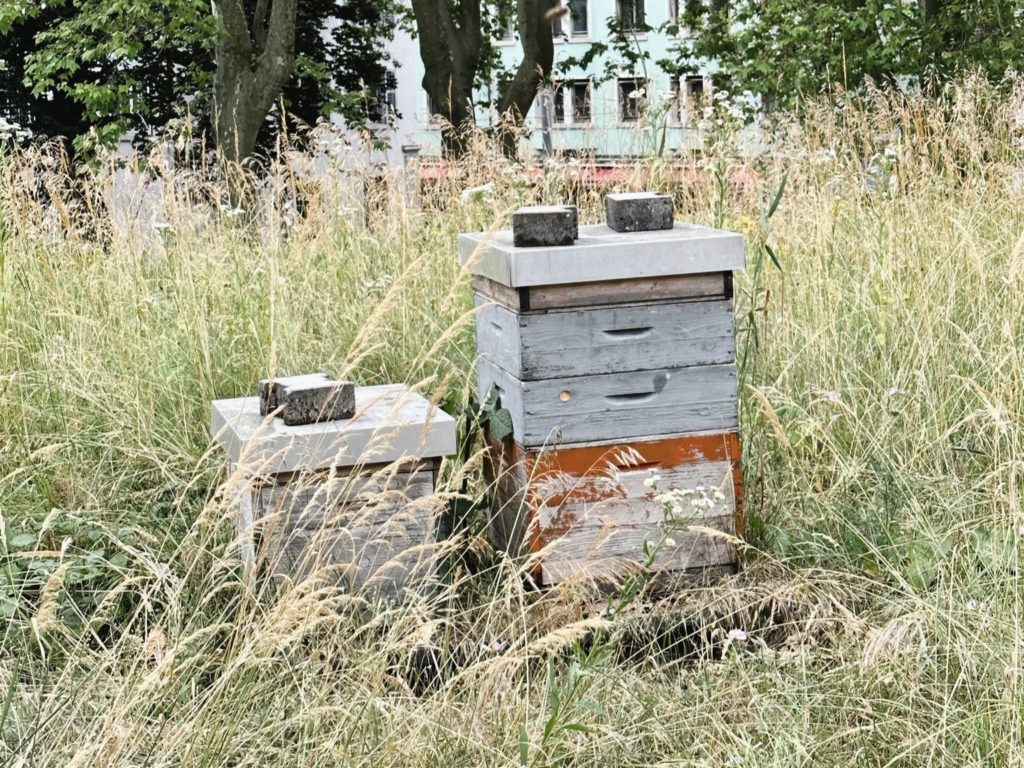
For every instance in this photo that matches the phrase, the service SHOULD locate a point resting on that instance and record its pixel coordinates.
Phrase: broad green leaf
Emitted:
(500, 423)
(23, 540)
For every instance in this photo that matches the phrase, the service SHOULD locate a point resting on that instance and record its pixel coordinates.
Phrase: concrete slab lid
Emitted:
(392, 422)
(601, 254)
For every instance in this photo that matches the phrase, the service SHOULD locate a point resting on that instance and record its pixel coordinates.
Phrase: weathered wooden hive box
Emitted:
(352, 498)
(615, 355)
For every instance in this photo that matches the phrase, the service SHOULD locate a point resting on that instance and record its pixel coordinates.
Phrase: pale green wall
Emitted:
(605, 134)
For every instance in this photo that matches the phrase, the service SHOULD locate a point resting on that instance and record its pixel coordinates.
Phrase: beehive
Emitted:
(353, 496)
(615, 356)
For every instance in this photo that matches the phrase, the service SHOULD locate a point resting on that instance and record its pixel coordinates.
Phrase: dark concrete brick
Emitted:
(540, 225)
(639, 211)
(313, 402)
(271, 389)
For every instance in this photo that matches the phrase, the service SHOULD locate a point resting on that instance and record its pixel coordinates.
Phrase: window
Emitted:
(631, 15)
(574, 21)
(572, 102)
(632, 96)
(382, 100)
(675, 107)
(434, 117)
(580, 21)
(696, 89)
(504, 25)
(676, 11)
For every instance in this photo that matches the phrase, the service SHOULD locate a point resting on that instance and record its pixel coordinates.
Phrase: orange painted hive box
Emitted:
(589, 510)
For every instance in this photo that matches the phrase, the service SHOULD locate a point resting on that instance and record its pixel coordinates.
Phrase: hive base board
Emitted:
(585, 510)
(372, 530)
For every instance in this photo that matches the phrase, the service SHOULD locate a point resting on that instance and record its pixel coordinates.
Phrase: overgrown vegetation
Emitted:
(877, 621)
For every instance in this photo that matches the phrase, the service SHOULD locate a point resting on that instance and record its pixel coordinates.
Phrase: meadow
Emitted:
(877, 620)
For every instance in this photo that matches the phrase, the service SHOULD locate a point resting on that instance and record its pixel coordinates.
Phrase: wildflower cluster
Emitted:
(680, 502)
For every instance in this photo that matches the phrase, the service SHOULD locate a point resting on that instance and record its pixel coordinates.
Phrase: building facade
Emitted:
(640, 110)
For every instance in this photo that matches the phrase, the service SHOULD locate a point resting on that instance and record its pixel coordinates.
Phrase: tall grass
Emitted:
(882, 415)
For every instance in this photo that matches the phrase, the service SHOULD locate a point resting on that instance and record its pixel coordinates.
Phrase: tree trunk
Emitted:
(534, 23)
(450, 49)
(932, 39)
(253, 65)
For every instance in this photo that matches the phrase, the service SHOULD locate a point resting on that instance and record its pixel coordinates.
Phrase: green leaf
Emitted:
(524, 746)
(580, 728)
(778, 196)
(592, 706)
(8, 607)
(773, 257)
(921, 570)
(23, 540)
(119, 560)
(500, 423)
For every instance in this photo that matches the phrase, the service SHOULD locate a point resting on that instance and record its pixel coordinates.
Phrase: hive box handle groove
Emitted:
(634, 333)
(636, 397)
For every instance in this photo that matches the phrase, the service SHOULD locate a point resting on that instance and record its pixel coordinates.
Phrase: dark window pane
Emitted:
(631, 14)
(580, 22)
(581, 101)
(629, 99)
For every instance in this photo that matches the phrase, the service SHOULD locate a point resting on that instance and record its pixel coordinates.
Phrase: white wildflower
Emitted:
(736, 635)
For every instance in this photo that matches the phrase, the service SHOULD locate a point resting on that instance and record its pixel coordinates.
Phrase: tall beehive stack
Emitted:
(613, 348)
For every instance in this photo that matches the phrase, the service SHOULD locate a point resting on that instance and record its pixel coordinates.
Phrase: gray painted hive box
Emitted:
(620, 336)
(619, 345)
(351, 498)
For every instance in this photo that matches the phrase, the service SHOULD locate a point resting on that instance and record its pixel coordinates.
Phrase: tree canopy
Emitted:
(94, 69)
(781, 49)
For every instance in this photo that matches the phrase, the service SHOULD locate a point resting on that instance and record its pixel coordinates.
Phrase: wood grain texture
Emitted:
(616, 406)
(562, 501)
(368, 533)
(602, 550)
(645, 290)
(606, 339)
(587, 493)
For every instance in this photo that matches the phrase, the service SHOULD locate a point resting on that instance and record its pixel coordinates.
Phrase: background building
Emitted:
(640, 110)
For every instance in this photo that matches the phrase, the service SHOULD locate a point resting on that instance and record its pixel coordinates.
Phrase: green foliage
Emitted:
(94, 69)
(784, 48)
(76, 563)
(497, 419)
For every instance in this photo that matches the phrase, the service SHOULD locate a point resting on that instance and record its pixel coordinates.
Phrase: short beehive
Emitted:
(615, 357)
(352, 496)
